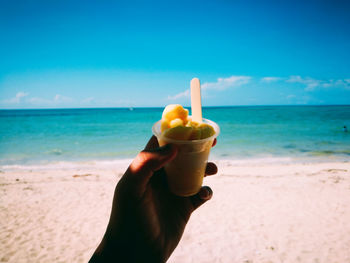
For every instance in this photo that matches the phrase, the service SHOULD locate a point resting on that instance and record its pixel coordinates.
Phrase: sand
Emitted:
(261, 211)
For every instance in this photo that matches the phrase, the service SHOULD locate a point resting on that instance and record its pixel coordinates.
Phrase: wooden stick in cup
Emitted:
(196, 104)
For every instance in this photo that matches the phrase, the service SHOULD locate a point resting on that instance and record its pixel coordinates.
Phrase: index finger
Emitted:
(152, 143)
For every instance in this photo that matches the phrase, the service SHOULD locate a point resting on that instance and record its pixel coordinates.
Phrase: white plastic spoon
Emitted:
(196, 103)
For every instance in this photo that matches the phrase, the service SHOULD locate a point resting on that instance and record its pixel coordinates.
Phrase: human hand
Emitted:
(147, 220)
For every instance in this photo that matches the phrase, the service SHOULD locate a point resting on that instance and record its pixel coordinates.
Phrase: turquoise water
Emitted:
(300, 132)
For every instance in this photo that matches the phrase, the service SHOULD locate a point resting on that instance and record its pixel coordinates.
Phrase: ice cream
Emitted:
(193, 140)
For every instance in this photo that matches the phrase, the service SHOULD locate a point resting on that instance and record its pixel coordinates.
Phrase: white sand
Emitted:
(260, 212)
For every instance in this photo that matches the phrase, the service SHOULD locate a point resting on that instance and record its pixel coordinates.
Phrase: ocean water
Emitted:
(296, 132)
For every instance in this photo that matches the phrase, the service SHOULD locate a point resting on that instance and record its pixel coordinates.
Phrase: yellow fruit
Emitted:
(206, 130)
(196, 134)
(175, 111)
(193, 124)
(164, 125)
(178, 133)
(176, 122)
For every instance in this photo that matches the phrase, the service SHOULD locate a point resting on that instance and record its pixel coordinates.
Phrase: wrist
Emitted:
(128, 250)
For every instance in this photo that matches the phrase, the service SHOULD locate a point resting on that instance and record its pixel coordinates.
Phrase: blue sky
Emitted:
(58, 54)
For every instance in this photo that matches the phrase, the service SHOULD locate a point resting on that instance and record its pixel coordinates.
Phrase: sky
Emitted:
(73, 54)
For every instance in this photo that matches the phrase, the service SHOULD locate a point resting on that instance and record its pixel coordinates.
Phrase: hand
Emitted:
(147, 220)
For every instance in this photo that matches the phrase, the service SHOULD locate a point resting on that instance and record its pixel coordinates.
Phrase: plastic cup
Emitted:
(185, 173)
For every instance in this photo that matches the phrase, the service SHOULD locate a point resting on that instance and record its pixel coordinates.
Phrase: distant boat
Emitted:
(131, 108)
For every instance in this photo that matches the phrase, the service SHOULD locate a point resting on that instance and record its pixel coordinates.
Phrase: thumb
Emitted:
(204, 194)
(149, 161)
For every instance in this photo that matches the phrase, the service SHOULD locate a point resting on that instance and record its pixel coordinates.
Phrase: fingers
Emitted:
(211, 169)
(147, 162)
(214, 142)
(151, 159)
(204, 194)
(152, 143)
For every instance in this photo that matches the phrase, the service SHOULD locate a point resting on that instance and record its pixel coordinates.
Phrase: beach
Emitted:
(282, 192)
(262, 210)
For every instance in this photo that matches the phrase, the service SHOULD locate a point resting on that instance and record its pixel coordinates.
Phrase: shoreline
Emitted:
(260, 212)
(110, 163)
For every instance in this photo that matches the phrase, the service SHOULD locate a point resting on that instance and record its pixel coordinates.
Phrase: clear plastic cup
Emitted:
(185, 173)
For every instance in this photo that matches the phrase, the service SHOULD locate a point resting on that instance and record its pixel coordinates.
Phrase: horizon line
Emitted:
(160, 107)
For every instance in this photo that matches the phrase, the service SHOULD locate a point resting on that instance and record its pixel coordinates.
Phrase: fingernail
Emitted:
(205, 193)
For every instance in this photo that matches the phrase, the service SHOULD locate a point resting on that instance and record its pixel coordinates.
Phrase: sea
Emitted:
(297, 133)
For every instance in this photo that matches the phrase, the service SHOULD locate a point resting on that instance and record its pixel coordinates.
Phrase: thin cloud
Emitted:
(62, 99)
(88, 100)
(311, 84)
(38, 101)
(57, 100)
(220, 84)
(226, 83)
(180, 95)
(339, 83)
(270, 79)
(17, 99)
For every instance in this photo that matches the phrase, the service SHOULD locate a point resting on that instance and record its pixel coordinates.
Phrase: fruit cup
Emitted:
(185, 173)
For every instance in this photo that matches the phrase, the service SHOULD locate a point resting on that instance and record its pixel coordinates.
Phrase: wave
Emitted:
(329, 152)
(66, 165)
(55, 152)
